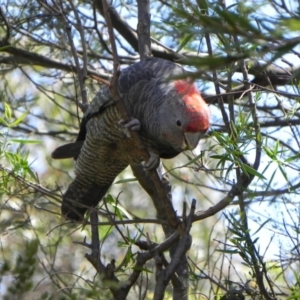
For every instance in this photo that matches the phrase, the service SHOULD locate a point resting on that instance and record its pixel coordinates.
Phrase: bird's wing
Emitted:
(146, 70)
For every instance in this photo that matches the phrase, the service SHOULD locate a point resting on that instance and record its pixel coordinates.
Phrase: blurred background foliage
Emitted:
(246, 50)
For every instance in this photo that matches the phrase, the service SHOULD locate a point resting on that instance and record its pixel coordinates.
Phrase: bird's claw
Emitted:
(132, 125)
(152, 163)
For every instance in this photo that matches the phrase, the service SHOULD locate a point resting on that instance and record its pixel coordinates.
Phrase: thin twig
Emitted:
(32, 185)
(84, 51)
(80, 72)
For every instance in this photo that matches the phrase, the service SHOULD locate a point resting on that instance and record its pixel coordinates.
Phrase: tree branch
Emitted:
(237, 189)
(164, 275)
(118, 291)
(143, 29)
(25, 57)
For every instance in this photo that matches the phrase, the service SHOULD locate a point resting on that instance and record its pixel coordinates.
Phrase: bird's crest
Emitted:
(195, 106)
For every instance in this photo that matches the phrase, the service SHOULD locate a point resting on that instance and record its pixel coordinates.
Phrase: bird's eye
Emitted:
(178, 122)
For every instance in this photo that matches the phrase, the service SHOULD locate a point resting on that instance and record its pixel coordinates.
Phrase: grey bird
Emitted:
(170, 116)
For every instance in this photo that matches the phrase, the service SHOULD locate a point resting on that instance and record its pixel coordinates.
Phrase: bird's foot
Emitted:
(127, 126)
(152, 163)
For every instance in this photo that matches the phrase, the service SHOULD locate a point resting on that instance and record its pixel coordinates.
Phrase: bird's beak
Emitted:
(192, 139)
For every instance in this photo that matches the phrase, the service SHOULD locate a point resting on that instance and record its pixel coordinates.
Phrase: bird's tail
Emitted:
(76, 202)
(68, 150)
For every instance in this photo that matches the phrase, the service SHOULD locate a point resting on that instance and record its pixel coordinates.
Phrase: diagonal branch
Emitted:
(20, 56)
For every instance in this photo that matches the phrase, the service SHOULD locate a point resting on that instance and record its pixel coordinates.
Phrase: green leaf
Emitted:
(220, 137)
(7, 111)
(4, 48)
(285, 48)
(270, 153)
(18, 121)
(110, 199)
(105, 231)
(126, 180)
(11, 157)
(184, 42)
(217, 156)
(128, 257)
(195, 159)
(4, 122)
(283, 172)
(118, 213)
(293, 24)
(237, 21)
(120, 209)
(32, 174)
(22, 141)
(294, 157)
(270, 179)
(202, 5)
(252, 171)
(297, 296)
